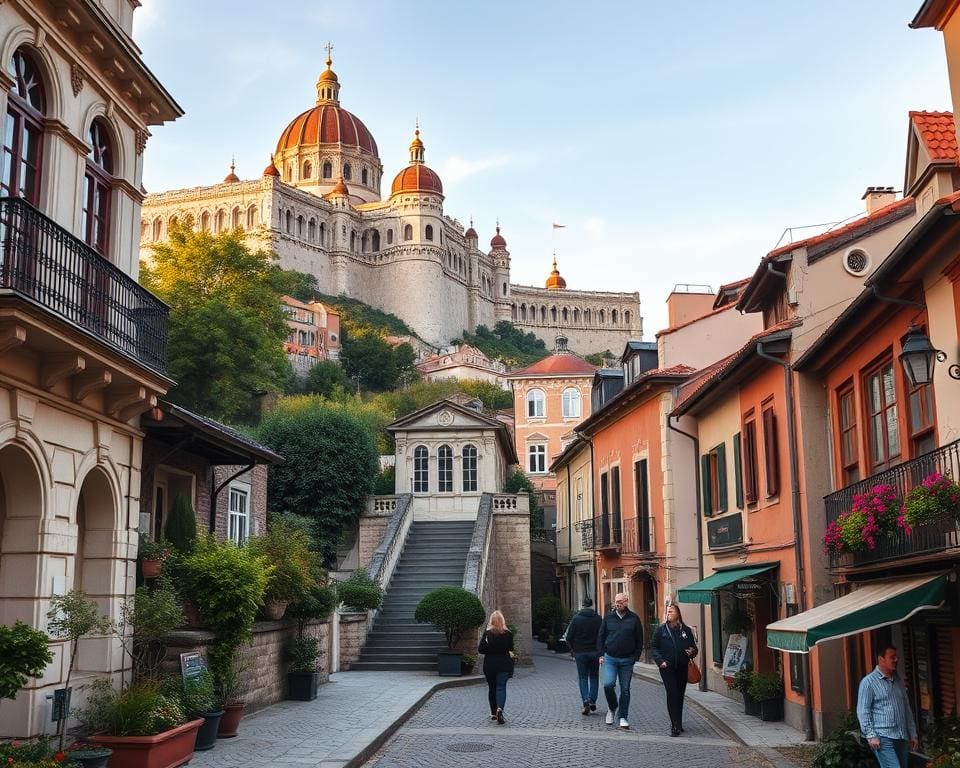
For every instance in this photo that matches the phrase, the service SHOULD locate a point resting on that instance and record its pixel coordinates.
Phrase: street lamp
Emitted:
(918, 357)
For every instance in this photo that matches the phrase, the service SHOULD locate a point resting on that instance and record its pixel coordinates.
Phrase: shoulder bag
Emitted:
(693, 672)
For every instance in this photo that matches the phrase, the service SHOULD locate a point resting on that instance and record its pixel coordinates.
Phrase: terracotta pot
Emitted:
(165, 750)
(230, 722)
(151, 568)
(274, 609)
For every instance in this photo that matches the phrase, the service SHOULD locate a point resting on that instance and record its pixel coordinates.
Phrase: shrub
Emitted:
(765, 686)
(316, 603)
(942, 736)
(360, 591)
(548, 614)
(386, 482)
(196, 695)
(140, 710)
(24, 653)
(936, 497)
(741, 681)
(152, 550)
(145, 619)
(181, 527)
(874, 515)
(841, 750)
(227, 584)
(302, 653)
(23, 752)
(946, 760)
(518, 482)
(288, 549)
(452, 610)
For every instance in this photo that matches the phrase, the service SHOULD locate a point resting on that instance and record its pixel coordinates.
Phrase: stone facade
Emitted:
(353, 634)
(510, 563)
(372, 524)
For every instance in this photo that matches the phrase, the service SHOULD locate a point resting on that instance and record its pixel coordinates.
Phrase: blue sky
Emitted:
(676, 141)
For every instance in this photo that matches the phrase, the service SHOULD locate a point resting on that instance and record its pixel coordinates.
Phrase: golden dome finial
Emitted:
(329, 47)
(328, 86)
(555, 281)
(416, 146)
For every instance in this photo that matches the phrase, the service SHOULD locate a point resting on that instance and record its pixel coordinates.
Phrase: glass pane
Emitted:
(916, 409)
(847, 447)
(889, 386)
(873, 386)
(893, 431)
(877, 439)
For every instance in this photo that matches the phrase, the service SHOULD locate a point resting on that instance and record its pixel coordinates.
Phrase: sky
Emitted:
(677, 142)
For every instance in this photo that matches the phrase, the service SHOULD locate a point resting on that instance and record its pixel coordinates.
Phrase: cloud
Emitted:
(457, 168)
(595, 226)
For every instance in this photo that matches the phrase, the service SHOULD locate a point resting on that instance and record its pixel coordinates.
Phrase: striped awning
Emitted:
(875, 604)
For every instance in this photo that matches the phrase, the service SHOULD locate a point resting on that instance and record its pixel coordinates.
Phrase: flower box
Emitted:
(165, 750)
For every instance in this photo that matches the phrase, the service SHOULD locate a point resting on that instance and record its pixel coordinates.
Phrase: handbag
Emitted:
(693, 672)
(511, 663)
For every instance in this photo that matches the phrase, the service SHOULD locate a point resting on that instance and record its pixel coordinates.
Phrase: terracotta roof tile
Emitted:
(673, 328)
(556, 365)
(938, 132)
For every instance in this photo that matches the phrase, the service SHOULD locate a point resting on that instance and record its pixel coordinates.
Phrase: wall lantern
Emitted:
(918, 357)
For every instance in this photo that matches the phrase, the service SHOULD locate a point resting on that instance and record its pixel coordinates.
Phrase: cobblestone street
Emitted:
(545, 728)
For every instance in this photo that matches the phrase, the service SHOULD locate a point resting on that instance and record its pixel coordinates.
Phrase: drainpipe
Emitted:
(696, 507)
(570, 539)
(217, 489)
(797, 526)
(596, 574)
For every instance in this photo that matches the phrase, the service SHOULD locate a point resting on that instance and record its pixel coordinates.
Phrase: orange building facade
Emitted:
(314, 333)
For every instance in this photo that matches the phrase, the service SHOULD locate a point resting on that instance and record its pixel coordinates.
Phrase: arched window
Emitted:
(408, 232)
(300, 226)
(375, 241)
(307, 169)
(363, 176)
(327, 170)
(553, 314)
(601, 317)
(389, 237)
(470, 473)
(576, 316)
(323, 234)
(347, 173)
(157, 228)
(312, 230)
(421, 470)
(543, 314)
(513, 312)
(23, 132)
(235, 219)
(586, 317)
(220, 221)
(289, 222)
(445, 469)
(504, 288)
(523, 312)
(571, 403)
(205, 221)
(565, 315)
(97, 188)
(613, 316)
(626, 318)
(536, 404)
(251, 217)
(172, 223)
(353, 240)
(428, 232)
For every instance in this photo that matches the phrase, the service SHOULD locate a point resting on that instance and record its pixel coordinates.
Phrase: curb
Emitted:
(370, 749)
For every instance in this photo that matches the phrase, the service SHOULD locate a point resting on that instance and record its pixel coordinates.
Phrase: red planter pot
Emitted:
(230, 721)
(165, 750)
(151, 568)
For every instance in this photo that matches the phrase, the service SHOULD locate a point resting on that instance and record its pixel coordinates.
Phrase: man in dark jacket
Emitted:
(620, 640)
(582, 639)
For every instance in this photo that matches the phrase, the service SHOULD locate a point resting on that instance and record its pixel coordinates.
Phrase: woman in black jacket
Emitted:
(673, 646)
(496, 645)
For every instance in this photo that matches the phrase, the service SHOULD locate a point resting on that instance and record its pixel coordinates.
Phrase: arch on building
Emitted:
(327, 169)
(543, 313)
(307, 169)
(613, 317)
(219, 221)
(390, 236)
(587, 317)
(157, 228)
(421, 469)
(289, 221)
(576, 315)
(22, 484)
(408, 232)
(571, 403)
(471, 469)
(347, 172)
(375, 241)
(428, 232)
(205, 221)
(553, 314)
(565, 314)
(445, 469)
(601, 317)
(353, 240)
(523, 313)
(323, 234)
(301, 225)
(536, 404)
(251, 217)
(626, 317)
(364, 177)
(236, 220)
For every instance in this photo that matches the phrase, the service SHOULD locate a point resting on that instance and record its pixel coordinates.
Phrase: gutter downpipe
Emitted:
(218, 488)
(593, 538)
(797, 525)
(696, 493)
(570, 537)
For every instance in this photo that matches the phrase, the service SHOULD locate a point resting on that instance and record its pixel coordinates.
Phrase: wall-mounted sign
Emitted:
(725, 532)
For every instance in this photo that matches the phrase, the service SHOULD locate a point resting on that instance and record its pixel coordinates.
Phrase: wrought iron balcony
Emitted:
(46, 265)
(607, 533)
(586, 533)
(636, 537)
(931, 537)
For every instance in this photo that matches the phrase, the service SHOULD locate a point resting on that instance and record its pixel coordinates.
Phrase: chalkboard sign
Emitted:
(192, 665)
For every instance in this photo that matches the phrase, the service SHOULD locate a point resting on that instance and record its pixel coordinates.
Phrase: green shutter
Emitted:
(738, 469)
(705, 484)
(716, 628)
(722, 476)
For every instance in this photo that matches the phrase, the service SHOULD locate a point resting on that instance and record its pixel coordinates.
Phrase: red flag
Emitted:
(559, 226)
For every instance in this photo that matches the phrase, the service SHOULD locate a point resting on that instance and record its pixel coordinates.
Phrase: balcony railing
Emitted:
(45, 264)
(636, 537)
(586, 533)
(927, 538)
(606, 532)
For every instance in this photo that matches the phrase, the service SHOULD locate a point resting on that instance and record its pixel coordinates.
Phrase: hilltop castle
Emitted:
(318, 205)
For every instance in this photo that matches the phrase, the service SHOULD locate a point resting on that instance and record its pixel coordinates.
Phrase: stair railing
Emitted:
(387, 553)
(475, 568)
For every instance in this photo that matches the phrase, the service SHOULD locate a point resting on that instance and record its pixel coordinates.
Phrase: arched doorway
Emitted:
(643, 600)
(21, 496)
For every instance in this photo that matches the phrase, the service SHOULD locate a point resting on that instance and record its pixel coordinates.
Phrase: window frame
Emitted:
(23, 120)
(444, 469)
(236, 517)
(847, 424)
(575, 399)
(771, 449)
(421, 473)
(470, 468)
(926, 431)
(890, 458)
(537, 458)
(751, 485)
(641, 482)
(98, 188)
(532, 402)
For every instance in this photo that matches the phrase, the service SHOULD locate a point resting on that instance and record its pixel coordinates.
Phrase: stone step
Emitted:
(394, 666)
(387, 655)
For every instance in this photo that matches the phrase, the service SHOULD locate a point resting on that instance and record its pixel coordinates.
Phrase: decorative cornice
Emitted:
(142, 135)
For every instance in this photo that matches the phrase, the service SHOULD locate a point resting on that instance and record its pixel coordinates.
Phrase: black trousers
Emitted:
(675, 684)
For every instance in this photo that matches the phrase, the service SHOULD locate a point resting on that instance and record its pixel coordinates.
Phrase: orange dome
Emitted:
(340, 188)
(470, 232)
(417, 178)
(555, 282)
(232, 178)
(327, 123)
(497, 240)
(271, 170)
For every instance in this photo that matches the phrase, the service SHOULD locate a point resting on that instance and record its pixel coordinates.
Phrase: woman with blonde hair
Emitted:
(496, 645)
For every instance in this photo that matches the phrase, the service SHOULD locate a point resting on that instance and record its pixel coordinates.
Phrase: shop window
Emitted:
(771, 452)
(849, 446)
(882, 419)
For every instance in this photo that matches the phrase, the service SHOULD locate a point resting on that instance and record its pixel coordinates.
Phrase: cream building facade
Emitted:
(318, 205)
(82, 346)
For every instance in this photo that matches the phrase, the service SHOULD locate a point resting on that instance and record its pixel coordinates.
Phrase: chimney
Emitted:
(687, 302)
(878, 197)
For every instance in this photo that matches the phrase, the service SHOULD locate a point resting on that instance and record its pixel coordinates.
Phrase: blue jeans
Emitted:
(588, 670)
(614, 668)
(497, 691)
(893, 753)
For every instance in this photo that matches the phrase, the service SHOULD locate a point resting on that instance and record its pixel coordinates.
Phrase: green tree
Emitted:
(331, 464)
(601, 358)
(367, 355)
(326, 378)
(518, 482)
(508, 343)
(226, 325)
(493, 396)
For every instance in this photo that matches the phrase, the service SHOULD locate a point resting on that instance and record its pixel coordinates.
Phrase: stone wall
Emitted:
(510, 558)
(262, 662)
(373, 523)
(353, 634)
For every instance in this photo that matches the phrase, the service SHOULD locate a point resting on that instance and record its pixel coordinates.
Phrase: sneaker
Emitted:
(586, 708)
(624, 723)
(493, 716)
(500, 716)
(593, 706)
(609, 718)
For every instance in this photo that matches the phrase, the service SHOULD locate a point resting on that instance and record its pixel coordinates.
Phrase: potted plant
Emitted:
(941, 739)
(873, 517)
(24, 654)
(935, 500)
(303, 652)
(198, 700)
(360, 592)
(231, 685)
(143, 727)
(740, 682)
(145, 620)
(842, 748)
(467, 662)
(453, 611)
(767, 689)
(288, 549)
(227, 584)
(88, 755)
(152, 556)
(72, 617)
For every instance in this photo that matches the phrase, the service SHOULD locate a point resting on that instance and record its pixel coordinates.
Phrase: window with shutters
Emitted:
(615, 527)
(713, 479)
(849, 446)
(738, 470)
(771, 451)
(603, 535)
(750, 485)
(644, 524)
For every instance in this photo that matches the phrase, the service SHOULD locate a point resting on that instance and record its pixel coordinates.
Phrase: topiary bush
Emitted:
(765, 686)
(548, 615)
(360, 591)
(24, 654)
(181, 527)
(452, 610)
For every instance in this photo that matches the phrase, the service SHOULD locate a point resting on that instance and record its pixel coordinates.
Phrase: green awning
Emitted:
(876, 604)
(702, 591)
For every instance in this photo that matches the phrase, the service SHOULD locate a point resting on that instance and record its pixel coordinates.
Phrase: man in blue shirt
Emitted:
(884, 712)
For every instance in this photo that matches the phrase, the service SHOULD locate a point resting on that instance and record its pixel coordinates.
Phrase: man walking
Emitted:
(621, 642)
(884, 712)
(582, 638)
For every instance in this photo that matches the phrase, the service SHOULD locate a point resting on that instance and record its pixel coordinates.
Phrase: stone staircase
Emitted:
(433, 556)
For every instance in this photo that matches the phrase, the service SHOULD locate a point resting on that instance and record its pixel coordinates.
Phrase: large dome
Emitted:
(327, 124)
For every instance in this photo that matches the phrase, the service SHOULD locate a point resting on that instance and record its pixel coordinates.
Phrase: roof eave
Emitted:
(626, 396)
(934, 13)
